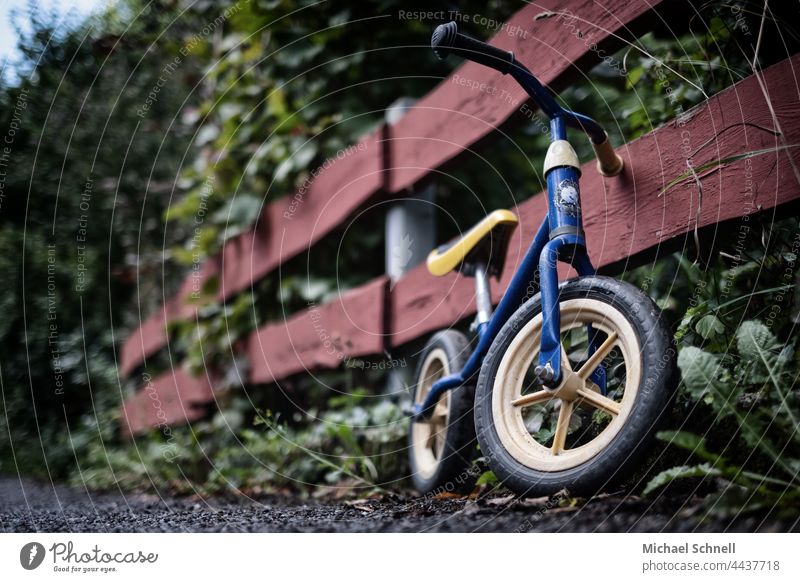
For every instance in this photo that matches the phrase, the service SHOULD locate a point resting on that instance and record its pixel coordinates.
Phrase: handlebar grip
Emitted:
(608, 162)
(446, 39)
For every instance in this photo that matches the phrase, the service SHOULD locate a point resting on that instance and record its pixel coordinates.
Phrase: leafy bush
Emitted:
(81, 237)
(739, 362)
(356, 444)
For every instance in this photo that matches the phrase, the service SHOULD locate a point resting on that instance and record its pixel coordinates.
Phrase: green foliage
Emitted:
(709, 326)
(209, 341)
(81, 238)
(699, 371)
(681, 472)
(487, 478)
(352, 444)
(745, 379)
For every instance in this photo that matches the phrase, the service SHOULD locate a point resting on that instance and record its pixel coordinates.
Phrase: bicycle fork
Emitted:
(568, 244)
(560, 238)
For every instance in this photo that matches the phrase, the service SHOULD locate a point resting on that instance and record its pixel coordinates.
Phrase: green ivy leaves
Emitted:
(753, 384)
(709, 326)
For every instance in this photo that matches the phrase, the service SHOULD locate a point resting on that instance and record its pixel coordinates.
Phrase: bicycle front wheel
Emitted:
(577, 436)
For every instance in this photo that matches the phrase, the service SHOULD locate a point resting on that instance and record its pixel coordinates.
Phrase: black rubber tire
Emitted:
(615, 461)
(454, 472)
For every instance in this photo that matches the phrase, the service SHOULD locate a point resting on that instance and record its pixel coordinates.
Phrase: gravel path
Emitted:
(27, 506)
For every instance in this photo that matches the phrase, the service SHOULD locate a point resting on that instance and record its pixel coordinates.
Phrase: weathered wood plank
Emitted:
(175, 397)
(152, 335)
(323, 336)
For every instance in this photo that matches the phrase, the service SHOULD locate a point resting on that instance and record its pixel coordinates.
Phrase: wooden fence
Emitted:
(627, 218)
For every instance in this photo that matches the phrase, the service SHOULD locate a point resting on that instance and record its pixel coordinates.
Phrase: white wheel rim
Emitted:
(508, 404)
(428, 437)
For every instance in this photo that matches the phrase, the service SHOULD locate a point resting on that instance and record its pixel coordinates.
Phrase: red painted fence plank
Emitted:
(175, 397)
(292, 224)
(323, 336)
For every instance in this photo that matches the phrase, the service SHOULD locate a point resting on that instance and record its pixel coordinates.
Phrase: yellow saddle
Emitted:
(486, 243)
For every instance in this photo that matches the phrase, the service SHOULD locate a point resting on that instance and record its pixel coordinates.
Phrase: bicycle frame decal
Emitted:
(566, 198)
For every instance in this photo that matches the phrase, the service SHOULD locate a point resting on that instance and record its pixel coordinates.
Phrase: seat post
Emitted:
(483, 295)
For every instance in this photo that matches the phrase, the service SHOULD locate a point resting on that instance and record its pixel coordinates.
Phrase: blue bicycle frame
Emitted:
(560, 237)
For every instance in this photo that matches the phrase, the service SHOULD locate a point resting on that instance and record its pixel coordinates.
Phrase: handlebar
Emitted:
(447, 40)
(609, 163)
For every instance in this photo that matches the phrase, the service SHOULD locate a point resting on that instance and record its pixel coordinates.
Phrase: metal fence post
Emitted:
(410, 236)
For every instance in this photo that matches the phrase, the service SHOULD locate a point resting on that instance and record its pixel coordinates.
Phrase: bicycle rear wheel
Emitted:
(442, 448)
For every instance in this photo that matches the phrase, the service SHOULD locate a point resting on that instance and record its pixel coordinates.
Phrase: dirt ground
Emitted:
(28, 506)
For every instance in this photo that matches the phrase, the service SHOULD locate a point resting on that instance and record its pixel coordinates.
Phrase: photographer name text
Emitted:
(687, 548)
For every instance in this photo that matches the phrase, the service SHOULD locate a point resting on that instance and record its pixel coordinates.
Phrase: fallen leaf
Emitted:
(534, 501)
(500, 501)
(447, 495)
